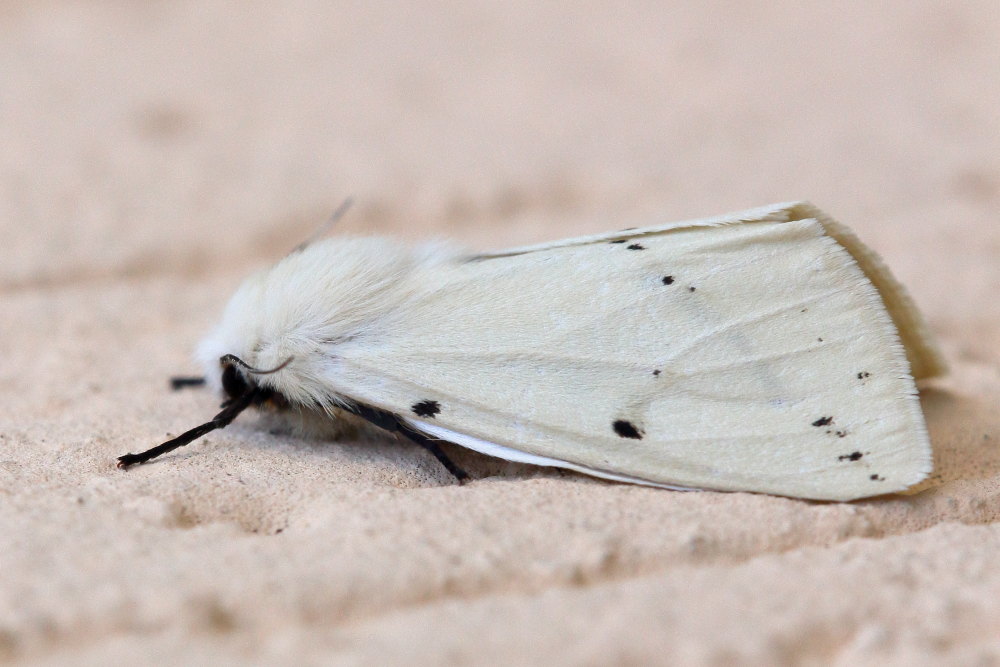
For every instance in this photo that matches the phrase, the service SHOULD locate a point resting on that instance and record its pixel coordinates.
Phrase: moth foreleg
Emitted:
(179, 382)
(392, 423)
(431, 445)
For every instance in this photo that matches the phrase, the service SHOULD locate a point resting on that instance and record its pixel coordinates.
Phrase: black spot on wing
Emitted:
(823, 421)
(668, 280)
(657, 371)
(618, 241)
(637, 246)
(691, 289)
(426, 408)
(853, 456)
(877, 478)
(626, 429)
(864, 375)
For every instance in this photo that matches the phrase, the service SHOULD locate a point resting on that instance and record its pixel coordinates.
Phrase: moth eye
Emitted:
(233, 383)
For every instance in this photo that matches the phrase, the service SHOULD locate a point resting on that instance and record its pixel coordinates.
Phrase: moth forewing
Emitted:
(585, 356)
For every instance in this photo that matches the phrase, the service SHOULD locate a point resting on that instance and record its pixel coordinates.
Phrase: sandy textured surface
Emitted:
(153, 153)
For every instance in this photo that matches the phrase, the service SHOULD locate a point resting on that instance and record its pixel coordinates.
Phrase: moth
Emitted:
(767, 351)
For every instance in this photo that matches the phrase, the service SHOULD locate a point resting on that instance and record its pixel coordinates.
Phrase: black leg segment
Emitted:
(220, 420)
(392, 423)
(179, 382)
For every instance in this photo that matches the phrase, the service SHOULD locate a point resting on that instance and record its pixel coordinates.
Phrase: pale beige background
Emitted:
(153, 153)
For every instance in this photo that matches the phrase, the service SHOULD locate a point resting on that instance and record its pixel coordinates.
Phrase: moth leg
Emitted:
(221, 420)
(179, 382)
(392, 423)
(432, 446)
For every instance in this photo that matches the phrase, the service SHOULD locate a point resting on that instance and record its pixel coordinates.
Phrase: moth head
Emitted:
(239, 379)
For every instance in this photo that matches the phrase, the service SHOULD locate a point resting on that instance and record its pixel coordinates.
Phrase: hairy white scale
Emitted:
(565, 353)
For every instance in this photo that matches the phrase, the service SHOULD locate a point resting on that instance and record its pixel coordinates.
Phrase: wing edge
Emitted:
(925, 357)
(517, 456)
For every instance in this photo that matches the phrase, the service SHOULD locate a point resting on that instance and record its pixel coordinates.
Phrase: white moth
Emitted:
(765, 351)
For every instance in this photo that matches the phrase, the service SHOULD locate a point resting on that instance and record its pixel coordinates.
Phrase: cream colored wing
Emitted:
(755, 356)
(926, 360)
